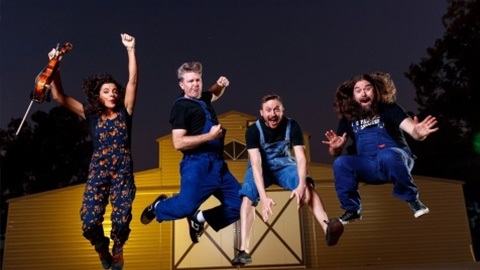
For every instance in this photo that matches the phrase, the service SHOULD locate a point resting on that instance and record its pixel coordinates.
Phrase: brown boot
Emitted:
(334, 231)
(117, 252)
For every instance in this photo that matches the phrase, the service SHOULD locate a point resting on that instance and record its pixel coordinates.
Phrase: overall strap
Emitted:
(262, 138)
(287, 133)
(202, 104)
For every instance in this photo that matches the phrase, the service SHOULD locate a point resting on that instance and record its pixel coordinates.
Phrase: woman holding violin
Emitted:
(109, 116)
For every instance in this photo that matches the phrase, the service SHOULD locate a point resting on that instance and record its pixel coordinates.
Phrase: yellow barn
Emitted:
(44, 230)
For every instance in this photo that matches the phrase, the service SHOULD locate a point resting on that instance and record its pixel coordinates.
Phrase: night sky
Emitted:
(301, 50)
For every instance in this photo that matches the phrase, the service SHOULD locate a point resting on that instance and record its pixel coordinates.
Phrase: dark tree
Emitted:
(53, 153)
(447, 84)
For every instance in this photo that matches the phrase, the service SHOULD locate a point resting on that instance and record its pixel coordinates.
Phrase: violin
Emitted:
(44, 78)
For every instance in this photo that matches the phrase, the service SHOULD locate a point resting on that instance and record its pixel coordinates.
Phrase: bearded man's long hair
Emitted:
(345, 104)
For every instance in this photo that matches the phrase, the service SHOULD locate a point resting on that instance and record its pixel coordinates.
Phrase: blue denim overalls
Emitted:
(379, 160)
(204, 174)
(111, 178)
(278, 165)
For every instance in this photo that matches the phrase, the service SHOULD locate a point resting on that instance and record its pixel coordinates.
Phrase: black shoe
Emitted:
(242, 258)
(334, 231)
(350, 216)
(310, 181)
(149, 213)
(103, 253)
(418, 208)
(195, 227)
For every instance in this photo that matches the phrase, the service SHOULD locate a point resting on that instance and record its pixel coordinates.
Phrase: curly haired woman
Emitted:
(110, 178)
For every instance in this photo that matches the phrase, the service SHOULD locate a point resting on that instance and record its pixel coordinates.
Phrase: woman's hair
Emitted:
(91, 88)
(345, 104)
(189, 67)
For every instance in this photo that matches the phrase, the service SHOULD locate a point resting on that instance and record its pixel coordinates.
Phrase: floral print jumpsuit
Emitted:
(110, 177)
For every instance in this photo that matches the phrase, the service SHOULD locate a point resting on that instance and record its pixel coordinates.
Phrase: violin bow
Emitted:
(25, 116)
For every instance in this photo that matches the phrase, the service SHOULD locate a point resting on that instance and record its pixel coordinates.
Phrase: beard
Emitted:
(365, 112)
(366, 109)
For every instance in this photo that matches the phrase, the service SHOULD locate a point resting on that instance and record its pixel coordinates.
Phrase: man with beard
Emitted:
(269, 144)
(376, 124)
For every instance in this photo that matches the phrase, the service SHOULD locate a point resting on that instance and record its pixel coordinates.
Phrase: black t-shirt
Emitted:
(252, 136)
(189, 115)
(390, 114)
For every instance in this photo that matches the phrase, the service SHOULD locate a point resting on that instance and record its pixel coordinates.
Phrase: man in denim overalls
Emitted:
(269, 143)
(197, 133)
(376, 124)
